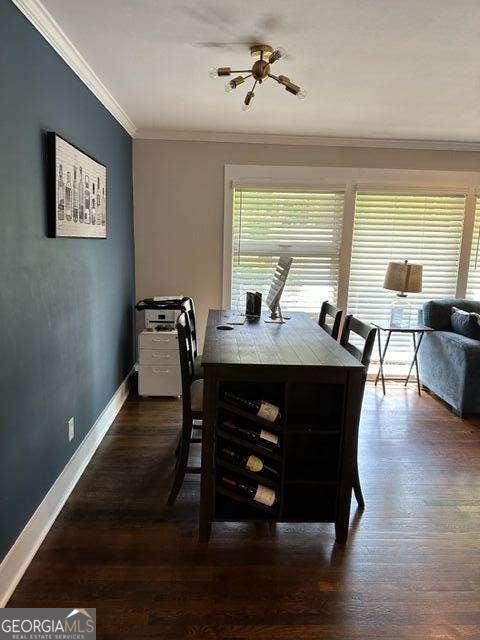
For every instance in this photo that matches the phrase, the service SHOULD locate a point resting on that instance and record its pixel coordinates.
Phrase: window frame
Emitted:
(348, 180)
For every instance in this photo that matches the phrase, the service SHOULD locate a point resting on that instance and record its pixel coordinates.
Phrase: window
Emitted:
(342, 237)
(473, 287)
(422, 228)
(304, 224)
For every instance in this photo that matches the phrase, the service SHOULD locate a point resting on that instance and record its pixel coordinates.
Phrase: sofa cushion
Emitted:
(465, 323)
(437, 313)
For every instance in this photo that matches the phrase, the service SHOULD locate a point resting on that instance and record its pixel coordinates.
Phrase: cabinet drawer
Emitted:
(159, 380)
(156, 340)
(157, 357)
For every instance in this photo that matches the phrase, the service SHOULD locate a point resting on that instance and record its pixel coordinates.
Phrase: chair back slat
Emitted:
(330, 310)
(189, 307)
(186, 359)
(365, 331)
(355, 351)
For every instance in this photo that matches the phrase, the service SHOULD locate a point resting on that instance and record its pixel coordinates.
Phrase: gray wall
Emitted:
(66, 319)
(179, 204)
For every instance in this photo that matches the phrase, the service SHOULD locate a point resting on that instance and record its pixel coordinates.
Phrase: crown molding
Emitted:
(43, 21)
(308, 141)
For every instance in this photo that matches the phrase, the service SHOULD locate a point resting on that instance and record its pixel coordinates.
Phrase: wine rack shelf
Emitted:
(262, 451)
(317, 387)
(268, 482)
(249, 417)
(237, 498)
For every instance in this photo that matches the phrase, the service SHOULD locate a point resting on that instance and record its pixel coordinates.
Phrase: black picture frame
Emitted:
(72, 219)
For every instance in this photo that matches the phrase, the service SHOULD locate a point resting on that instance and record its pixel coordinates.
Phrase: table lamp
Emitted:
(403, 277)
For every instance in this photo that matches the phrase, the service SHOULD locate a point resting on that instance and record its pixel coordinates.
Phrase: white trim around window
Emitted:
(349, 180)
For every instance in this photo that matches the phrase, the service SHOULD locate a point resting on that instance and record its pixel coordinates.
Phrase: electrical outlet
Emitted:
(71, 429)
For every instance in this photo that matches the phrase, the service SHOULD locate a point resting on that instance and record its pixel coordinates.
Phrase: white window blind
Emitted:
(473, 285)
(306, 225)
(421, 228)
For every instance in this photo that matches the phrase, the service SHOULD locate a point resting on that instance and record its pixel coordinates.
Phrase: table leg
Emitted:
(382, 358)
(415, 361)
(379, 355)
(207, 482)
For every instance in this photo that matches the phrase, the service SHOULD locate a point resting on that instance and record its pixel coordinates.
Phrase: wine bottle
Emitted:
(260, 408)
(103, 207)
(60, 194)
(250, 462)
(75, 195)
(68, 197)
(86, 210)
(93, 203)
(81, 195)
(255, 492)
(261, 437)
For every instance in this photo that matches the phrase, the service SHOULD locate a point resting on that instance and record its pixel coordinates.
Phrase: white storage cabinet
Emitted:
(159, 364)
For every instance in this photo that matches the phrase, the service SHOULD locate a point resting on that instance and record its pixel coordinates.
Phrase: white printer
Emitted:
(161, 312)
(158, 356)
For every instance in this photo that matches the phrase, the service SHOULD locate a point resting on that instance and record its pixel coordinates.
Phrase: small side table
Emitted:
(416, 330)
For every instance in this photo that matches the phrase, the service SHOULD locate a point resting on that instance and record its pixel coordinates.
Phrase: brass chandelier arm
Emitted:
(221, 72)
(290, 86)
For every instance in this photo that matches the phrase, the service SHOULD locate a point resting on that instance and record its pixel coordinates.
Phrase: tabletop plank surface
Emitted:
(298, 342)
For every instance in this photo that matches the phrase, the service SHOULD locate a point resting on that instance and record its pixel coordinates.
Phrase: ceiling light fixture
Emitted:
(260, 71)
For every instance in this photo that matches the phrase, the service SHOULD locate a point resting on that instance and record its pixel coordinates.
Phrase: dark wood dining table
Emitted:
(317, 384)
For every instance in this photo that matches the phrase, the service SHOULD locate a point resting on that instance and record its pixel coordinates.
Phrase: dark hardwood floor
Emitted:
(411, 569)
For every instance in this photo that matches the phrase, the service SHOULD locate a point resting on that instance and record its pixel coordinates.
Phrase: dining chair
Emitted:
(331, 311)
(192, 406)
(189, 307)
(368, 334)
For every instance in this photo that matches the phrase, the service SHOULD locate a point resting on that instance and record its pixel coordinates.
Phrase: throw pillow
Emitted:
(465, 323)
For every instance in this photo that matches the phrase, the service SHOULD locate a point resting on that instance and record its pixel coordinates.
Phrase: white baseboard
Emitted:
(26, 545)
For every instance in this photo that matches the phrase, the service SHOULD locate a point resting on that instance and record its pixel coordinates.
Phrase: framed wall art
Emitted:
(78, 187)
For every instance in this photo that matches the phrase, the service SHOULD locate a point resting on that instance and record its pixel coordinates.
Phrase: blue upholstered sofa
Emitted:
(449, 362)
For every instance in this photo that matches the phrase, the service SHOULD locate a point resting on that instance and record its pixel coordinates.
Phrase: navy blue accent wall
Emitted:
(66, 305)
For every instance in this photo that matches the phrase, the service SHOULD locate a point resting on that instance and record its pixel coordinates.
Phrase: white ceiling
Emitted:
(372, 68)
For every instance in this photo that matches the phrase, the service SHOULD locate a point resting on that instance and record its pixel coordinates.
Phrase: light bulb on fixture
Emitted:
(213, 73)
(302, 94)
(277, 54)
(248, 101)
(233, 84)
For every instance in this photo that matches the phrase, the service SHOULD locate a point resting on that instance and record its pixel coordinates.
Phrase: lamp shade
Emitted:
(404, 277)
